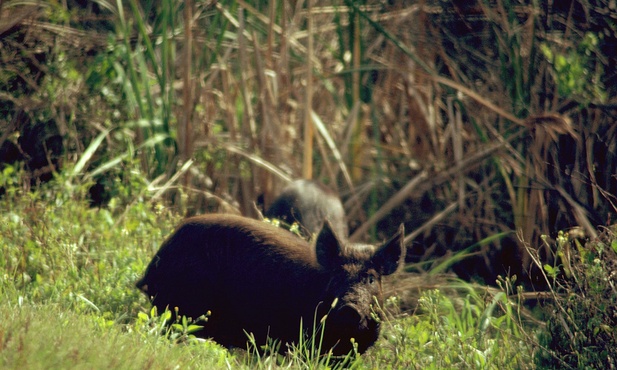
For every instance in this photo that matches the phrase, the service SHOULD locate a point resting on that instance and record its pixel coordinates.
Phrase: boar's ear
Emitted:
(328, 246)
(390, 255)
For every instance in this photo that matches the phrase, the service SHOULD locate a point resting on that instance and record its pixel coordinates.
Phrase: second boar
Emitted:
(309, 203)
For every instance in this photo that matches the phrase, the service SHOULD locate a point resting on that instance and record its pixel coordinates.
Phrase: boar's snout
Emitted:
(350, 317)
(350, 325)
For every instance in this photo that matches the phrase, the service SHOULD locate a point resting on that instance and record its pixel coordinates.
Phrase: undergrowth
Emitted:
(472, 330)
(56, 249)
(581, 330)
(68, 298)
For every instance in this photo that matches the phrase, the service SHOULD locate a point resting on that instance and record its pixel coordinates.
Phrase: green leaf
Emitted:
(551, 271)
(193, 328)
(88, 153)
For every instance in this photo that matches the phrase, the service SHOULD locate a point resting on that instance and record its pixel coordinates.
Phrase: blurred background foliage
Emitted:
(481, 125)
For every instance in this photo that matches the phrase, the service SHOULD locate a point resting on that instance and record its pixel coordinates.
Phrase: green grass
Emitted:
(68, 301)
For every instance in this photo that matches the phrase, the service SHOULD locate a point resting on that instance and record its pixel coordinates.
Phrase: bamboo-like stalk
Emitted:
(357, 139)
(307, 166)
(270, 41)
(249, 125)
(186, 128)
(270, 124)
(454, 116)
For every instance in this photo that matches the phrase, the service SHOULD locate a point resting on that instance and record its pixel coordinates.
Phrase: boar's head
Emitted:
(354, 287)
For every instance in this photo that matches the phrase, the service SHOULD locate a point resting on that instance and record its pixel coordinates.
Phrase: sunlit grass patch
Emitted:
(48, 337)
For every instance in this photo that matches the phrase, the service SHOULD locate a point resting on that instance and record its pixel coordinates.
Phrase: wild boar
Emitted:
(253, 277)
(309, 203)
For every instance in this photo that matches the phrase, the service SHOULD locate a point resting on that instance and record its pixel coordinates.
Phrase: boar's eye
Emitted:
(370, 278)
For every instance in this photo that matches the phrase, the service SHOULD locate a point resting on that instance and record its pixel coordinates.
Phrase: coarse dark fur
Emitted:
(309, 203)
(256, 278)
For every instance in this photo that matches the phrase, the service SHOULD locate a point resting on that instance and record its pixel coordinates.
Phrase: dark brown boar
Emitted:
(309, 203)
(256, 278)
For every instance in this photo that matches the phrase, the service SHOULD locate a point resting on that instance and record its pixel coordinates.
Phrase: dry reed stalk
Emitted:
(430, 223)
(294, 40)
(260, 162)
(393, 202)
(338, 157)
(478, 98)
